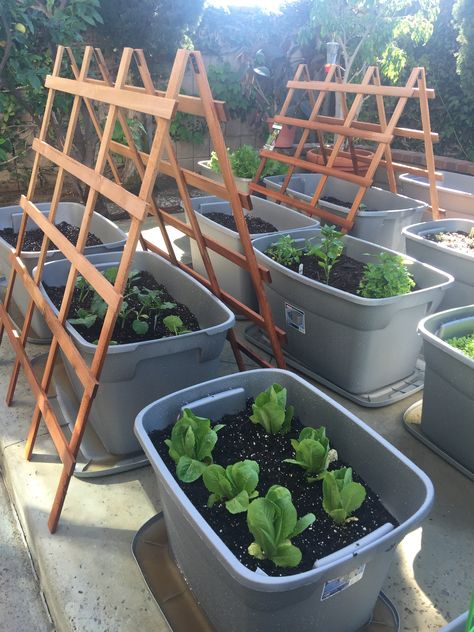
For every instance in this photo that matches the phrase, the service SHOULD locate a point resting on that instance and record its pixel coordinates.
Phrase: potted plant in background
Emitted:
(143, 363)
(338, 334)
(244, 162)
(233, 593)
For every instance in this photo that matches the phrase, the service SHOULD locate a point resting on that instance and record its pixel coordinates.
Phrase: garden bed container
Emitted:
(359, 344)
(381, 223)
(340, 591)
(231, 277)
(455, 192)
(10, 217)
(459, 264)
(447, 417)
(137, 373)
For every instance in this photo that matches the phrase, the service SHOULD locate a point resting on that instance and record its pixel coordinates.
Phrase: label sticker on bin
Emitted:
(338, 584)
(295, 318)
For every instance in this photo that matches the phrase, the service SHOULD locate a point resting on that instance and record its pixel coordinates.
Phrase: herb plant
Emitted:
(245, 161)
(270, 410)
(312, 452)
(329, 250)
(191, 444)
(341, 496)
(464, 344)
(390, 277)
(284, 251)
(273, 521)
(235, 484)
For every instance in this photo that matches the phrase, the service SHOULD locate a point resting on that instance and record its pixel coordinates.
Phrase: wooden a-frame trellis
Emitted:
(118, 97)
(349, 127)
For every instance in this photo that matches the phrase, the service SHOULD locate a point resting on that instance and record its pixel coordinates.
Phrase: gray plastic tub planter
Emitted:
(339, 593)
(455, 192)
(458, 625)
(137, 373)
(10, 217)
(358, 344)
(447, 417)
(385, 215)
(459, 264)
(231, 278)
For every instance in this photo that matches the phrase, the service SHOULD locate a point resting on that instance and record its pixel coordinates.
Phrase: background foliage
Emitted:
(396, 33)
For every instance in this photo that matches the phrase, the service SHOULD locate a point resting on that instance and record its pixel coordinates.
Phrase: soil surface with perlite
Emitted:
(241, 439)
(34, 238)
(255, 224)
(123, 331)
(456, 240)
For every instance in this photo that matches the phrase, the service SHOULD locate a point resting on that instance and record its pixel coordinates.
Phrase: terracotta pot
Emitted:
(286, 136)
(343, 160)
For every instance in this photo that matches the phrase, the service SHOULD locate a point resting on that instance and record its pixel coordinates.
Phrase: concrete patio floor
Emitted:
(91, 582)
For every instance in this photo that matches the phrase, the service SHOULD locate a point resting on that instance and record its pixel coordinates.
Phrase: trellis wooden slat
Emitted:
(118, 95)
(348, 128)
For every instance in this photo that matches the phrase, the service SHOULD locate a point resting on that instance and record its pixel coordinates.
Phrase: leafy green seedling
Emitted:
(341, 496)
(191, 444)
(84, 317)
(235, 484)
(98, 305)
(464, 344)
(83, 286)
(328, 251)
(273, 521)
(174, 324)
(284, 251)
(270, 410)
(390, 277)
(111, 274)
(312, 452)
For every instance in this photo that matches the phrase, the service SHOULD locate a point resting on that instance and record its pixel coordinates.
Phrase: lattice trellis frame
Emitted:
(349, 127)
(118, 96)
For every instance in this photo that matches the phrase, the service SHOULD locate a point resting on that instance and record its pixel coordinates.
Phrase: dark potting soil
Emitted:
(124, 334)
(254, 224)
(241, 439)
(345, 275)
(34, 238)
(457, 240)
(335, 200)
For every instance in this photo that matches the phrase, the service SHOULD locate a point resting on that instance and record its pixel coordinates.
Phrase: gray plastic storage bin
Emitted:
(458, 625)
(237, 599)
(10, 217)
(447, 416)
(231, 277)
(359, 344)
(137, 373)
(381, 224)
(460, 265)
(455, 192)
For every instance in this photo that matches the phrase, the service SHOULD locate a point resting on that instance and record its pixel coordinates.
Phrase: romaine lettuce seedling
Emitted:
(341, 496)
(312, 452)
(235, 484)
(273, 521)
(191, 444)
(270, 410)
